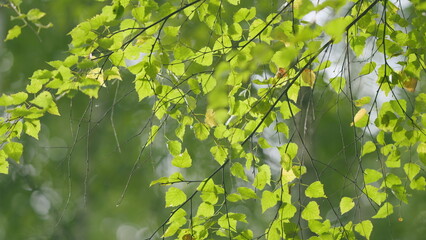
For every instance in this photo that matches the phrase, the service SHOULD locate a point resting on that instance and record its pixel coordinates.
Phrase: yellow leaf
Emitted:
(410, 84)
(361, 113)
(210, 118)
(281, 73)
(308, 76)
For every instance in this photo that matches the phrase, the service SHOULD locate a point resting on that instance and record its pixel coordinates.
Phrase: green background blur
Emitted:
(78, 151)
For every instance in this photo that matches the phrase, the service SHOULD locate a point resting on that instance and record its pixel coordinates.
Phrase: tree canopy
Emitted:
(215, 119)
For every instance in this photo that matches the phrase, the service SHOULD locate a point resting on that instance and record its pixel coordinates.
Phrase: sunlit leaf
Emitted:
(175, 197)
(368, 147)
(360, 118)
(364, 228)
(14, 150)
(346, 204)
(13, 33)
(263, 177)
(315, 190)
(268, 200)
(384, 211)
(182, 160)
(311, 211)
(371, 175)
(237, 170)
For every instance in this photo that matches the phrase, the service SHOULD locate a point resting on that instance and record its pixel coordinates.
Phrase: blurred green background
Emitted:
(70, 182)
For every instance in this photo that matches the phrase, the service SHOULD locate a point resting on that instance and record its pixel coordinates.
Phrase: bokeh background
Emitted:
(70, 183)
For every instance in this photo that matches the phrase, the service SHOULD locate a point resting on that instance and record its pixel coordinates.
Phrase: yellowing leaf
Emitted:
(308, 76)
(359, 115)
(410, 84)
(210, 118)
(362, 101)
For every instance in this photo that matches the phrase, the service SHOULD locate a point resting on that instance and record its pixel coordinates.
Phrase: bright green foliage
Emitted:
(315, 190)
(269, 199)
(364, 228)
(368, 148)
(371, 175)
(175, 197)
(346, 204)
(263, 177)
(384, 211)
(32, 18)
(182, 160)
(226, 81)
(311, 211)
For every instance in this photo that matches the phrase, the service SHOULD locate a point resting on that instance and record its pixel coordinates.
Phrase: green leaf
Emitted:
(144, 88)
(311, 211)
(391, 180)
(208, 82)
(35, 14)
(175, 197)
(152, 134)
(237, 170)
(13, 33)
(175, 147)
(201, 131)
(263, 177)
(14, 99)
(32, 128)
(315, 190)
(319, 227)
(14, 150)
(346, 204)
(269, 199)
(374, 194)
(288, 110)
(336, 27)
(368, 147)
(364, 228)
(246, 193)
(204, 56)
(384, 211)
(4, 164)
(176, 222)
(368, 68)
(244, 14)
(282, 128)
(338, 84)
(284, 57)
(182, 160)
(421, 150)
(371, 175)
(43, 100)
(205, 210)
(411, 169)
(323, 65)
